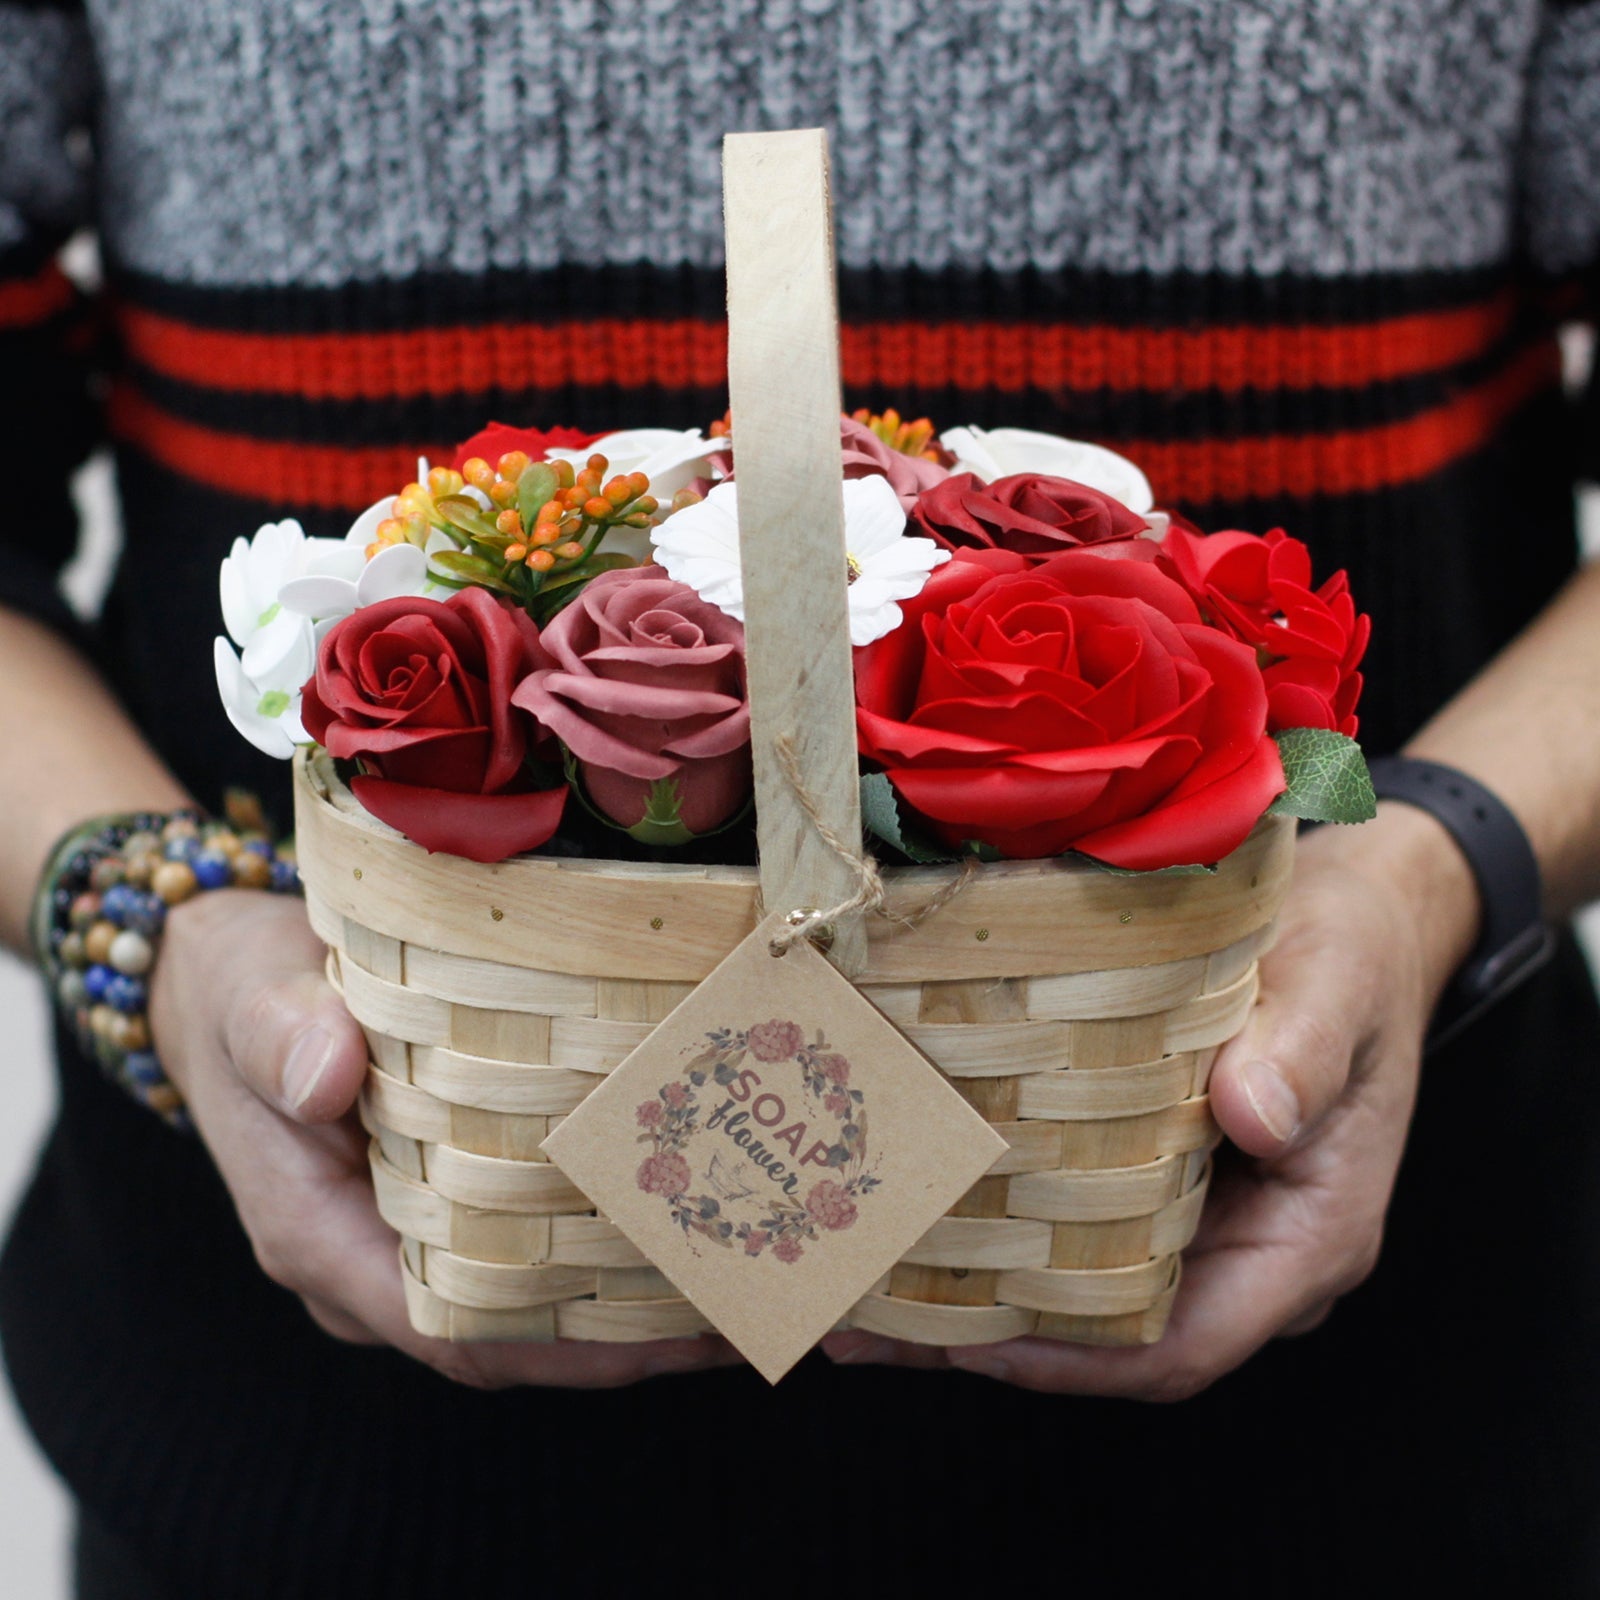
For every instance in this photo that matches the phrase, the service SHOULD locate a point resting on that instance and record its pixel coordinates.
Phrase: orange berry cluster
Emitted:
(909, 438)
(577, 503)
(415, 513)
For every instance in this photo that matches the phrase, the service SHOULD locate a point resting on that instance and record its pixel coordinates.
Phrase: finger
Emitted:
(339, 1323)
(352, 1261)
(857, 1348)
(293, 1042)
(1289, 1065)
(1310, 1322)
(1206, 1338)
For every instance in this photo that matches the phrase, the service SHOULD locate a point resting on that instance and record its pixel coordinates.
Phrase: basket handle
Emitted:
(783, 383)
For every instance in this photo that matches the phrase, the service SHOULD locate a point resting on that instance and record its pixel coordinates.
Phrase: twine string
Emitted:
(869, 896)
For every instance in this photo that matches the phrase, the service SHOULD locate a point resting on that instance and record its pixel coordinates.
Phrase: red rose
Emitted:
(1259, 590)
(419, 692)
(1034, 515)
(648, 684)
(500, 439)
(1077, 704)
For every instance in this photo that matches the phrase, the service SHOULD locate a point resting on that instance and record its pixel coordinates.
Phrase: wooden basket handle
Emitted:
(783, 383)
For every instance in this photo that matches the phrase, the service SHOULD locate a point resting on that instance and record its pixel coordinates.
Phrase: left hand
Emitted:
(1318, 1089)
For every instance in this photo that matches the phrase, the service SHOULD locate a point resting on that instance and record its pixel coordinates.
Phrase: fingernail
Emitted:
(309, 1058)
(985, 1363)
(1272, 1100)
(860, 1349)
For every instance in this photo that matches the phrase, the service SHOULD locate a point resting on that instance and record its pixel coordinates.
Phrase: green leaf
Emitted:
(462, 512)
(1185, 870)
(561, 587)
(662, 822)
(1327, 778)
(880, 816)
(535, 486)
(455, 564)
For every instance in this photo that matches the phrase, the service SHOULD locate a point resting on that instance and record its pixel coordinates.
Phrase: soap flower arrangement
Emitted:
(549, 634)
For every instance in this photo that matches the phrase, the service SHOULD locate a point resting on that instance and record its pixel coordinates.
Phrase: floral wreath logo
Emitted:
(767, 1153)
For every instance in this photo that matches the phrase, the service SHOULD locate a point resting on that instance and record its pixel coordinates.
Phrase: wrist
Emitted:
(99, 920)
(1407, 853)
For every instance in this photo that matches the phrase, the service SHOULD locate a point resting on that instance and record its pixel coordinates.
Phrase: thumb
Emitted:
(292, 1041)
(1291, 1062)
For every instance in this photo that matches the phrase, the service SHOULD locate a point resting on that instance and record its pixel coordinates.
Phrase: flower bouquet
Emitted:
(528, 830)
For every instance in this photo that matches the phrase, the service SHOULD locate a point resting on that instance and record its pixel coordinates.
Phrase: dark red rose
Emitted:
(646, 682)
(1033, 515)
(1310, 641)
(419, 692)
(1079, 703)
(500, 439)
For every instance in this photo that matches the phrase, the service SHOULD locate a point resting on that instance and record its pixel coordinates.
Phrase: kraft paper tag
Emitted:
(774, 1147)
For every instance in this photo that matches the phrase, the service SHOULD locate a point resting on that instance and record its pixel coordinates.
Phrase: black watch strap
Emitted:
(1515, 940)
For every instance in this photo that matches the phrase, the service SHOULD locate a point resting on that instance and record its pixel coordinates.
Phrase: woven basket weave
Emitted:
(1077, 1010)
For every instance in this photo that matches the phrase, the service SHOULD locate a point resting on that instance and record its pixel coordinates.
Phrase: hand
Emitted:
(1318, 1089)
(271, 1064)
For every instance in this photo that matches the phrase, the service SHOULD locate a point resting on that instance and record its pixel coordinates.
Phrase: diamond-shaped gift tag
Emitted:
(774, 1147)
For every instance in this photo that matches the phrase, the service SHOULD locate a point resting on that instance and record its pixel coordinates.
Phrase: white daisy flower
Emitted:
(699, 546)
(1002, 452)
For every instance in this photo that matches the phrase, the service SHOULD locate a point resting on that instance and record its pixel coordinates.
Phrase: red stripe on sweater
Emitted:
(689, 353)
(1195, 472)
(26, 302)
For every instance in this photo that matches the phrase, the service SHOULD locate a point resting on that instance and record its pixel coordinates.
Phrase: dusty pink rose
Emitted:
(835, 1068)
(788, 1251)
(867, 456)
(649, 1113)
(648, 686)
(836, 1103)
(756, 1242)
(675, 1095)
(665, 1173)
(830, 1206)
(776, 1041)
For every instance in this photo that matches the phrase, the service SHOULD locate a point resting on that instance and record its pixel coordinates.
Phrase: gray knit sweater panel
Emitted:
(311, 141)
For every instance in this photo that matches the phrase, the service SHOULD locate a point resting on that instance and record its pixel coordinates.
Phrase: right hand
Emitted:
(271, 1064)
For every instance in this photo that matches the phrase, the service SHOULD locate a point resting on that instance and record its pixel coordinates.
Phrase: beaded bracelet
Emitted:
(100, 910)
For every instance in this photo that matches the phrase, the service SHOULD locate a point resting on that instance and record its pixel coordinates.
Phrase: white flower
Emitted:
(260, 687)
(699, 546)
(1001, 452)
(333, 586)
(266, 710)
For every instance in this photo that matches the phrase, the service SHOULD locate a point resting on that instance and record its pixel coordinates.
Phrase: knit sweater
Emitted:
(1302, 259)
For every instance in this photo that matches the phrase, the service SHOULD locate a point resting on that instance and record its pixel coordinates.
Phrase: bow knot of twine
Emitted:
(870, 896)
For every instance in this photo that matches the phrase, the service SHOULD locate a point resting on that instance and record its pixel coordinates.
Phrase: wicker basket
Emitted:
(1078, 1011)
